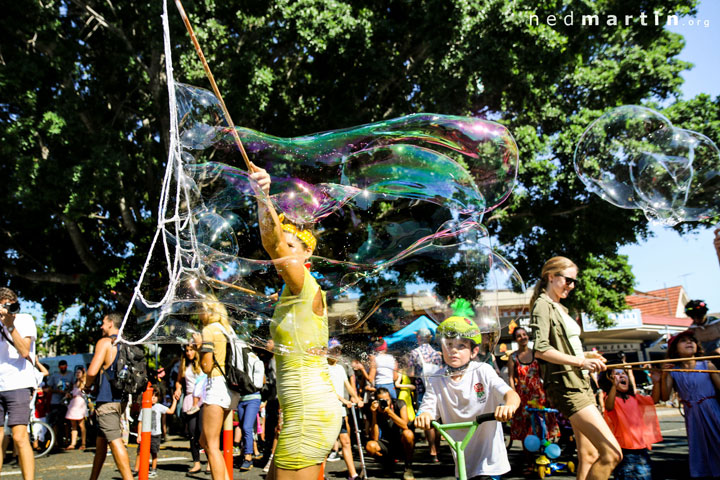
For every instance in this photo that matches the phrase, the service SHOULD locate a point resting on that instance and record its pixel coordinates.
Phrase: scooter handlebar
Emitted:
(484, 417)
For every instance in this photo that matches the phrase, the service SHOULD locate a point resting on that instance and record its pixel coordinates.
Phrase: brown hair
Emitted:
(552, 267)
(7, 294)
(672, 351)
(195, 362)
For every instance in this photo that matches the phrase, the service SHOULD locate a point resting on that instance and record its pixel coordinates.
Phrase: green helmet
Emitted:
(457, 326)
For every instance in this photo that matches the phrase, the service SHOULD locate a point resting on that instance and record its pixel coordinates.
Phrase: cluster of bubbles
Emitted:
(396, 207)
(634, 158)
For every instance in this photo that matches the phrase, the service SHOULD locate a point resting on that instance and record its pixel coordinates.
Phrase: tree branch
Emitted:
(127, 218)
(48, 277)
(80, 246)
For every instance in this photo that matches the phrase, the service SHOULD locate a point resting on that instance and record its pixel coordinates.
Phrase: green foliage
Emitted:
(84, 122)
(604, 283)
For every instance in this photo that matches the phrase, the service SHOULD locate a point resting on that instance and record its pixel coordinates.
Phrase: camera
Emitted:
(12, 307)
(383, 404)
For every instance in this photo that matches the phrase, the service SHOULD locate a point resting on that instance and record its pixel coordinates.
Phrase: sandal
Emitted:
(82, 447)
(69, 447)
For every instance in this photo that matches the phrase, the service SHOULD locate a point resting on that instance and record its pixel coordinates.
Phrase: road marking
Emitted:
(89, 465)
(673, 430)
(13, 472)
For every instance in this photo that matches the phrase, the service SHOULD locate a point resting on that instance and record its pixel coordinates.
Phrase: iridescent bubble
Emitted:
(396, 208)
(633, 157)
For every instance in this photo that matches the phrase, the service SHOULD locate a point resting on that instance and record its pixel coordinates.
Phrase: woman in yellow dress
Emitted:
(311, 412)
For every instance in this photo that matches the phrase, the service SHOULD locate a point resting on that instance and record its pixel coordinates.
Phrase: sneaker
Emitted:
(266, 469)
(333, 457)
(152, 474)
(354, 477)
(246, 465)
(193, 410)
(408, 475)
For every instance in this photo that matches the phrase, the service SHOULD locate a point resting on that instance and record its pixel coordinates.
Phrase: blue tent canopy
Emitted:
(407, 334)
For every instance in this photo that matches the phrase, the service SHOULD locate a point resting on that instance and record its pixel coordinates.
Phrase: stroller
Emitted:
(538, 442)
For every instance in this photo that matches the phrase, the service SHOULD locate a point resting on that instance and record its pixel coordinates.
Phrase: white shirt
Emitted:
(156, 421)
(479, 390)
(573, 332)
(385, 367)
(16, 371)
(338, 377)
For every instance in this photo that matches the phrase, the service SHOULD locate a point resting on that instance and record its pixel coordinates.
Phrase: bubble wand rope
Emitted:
(214, 86)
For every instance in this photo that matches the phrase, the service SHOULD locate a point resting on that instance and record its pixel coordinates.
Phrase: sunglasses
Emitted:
(570, 281)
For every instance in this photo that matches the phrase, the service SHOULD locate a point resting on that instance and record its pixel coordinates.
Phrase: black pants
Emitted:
(194, 425)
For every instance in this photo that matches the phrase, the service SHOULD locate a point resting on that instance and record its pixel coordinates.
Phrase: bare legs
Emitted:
(598, 450)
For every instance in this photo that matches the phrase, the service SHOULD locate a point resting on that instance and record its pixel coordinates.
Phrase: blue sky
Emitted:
(669, 259)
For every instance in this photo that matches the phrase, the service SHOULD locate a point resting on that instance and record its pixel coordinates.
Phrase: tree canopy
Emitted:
(84, 117)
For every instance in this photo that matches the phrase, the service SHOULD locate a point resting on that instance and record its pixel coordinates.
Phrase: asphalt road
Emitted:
(669, 457)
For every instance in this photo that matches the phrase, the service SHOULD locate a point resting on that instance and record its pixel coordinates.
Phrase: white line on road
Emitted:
(168, 459)
(673, 430)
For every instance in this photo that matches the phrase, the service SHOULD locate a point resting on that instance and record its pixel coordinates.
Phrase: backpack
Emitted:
(131, 375)
(244, 370)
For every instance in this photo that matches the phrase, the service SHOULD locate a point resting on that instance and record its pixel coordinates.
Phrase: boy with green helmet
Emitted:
(465, 389)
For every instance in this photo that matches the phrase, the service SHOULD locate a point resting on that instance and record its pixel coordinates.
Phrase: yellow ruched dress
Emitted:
(312, 414)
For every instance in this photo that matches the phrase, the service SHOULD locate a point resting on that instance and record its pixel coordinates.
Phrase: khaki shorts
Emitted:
(570, 400)
(108, 418)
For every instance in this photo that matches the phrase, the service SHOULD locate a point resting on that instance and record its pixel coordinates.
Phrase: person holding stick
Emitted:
(564, 367)
(698, 392)
(311, 413)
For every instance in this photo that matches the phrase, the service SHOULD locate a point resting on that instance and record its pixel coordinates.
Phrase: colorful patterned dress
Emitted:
(528, 385)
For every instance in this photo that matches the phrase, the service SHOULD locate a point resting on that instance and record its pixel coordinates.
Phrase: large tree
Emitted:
(84, 121)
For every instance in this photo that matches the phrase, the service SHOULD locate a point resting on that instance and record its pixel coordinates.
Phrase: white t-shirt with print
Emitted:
(156, 418)
(16, 371)
(480, 390)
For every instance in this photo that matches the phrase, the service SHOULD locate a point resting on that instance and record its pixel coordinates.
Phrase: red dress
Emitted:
(528, 386)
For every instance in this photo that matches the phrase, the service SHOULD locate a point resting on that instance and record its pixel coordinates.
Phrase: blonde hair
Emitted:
(551, 268)
(216, 312)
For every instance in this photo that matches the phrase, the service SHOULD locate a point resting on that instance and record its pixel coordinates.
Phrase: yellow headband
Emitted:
(304, 235)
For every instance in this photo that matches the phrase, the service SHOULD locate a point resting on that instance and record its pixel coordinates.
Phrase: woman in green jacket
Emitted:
(564, 370)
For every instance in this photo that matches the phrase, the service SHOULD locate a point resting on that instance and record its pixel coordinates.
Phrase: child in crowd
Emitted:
(465, 388)
(698, 392)
(198, 393)
(633, 421)
(158, 410)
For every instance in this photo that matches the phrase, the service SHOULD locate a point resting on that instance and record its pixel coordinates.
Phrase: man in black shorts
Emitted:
(17, 377)
(391, 432)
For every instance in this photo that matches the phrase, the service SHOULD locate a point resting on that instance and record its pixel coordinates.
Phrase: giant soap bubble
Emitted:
(396, 207)
(633, 157)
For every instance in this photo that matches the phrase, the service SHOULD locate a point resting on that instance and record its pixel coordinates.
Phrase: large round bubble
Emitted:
(633, 157)
(396, 208)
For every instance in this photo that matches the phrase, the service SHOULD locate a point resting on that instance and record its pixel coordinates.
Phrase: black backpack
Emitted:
(243, 369)
(131, 375)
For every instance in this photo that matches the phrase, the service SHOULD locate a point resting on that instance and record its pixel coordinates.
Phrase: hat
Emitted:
(696, 308)
(380, 344)
(334, 343)
(463, 327)
(678, 336)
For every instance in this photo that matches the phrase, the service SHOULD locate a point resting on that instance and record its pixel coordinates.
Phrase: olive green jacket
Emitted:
(546, 321)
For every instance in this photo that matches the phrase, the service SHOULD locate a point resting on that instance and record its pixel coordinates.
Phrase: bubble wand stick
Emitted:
(214, 86)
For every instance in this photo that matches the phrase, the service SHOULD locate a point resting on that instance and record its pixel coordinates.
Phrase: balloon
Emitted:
(633, 157)
(553, 450)
(532, 443)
